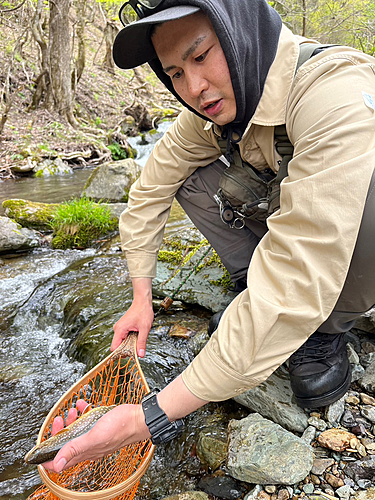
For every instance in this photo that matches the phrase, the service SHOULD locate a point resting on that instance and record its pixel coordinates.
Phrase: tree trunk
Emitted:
(110, 33)
(60, 59)
(80, 61)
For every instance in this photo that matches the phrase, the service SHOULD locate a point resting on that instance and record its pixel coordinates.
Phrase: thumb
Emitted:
(141, 342)
(68, 456)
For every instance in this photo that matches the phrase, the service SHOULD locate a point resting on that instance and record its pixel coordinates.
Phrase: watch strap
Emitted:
(161, 429)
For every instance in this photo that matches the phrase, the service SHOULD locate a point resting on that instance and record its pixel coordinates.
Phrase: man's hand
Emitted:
(123, 425)
(138, 318)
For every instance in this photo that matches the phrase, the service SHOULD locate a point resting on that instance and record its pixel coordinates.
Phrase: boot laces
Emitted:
(316, 348)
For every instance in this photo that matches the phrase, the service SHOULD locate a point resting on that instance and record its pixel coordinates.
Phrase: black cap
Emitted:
(133, 47)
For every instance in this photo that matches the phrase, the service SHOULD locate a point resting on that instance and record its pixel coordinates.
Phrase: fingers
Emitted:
(68, 455)
(57, 425)
(141, 343)
(72, 416)
(81, 405)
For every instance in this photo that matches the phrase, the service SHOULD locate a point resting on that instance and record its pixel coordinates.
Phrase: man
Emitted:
(310, 271)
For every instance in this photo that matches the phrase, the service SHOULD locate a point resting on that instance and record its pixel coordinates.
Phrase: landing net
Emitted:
(117, 380)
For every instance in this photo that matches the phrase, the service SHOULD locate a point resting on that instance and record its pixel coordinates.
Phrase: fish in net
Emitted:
(118, 379)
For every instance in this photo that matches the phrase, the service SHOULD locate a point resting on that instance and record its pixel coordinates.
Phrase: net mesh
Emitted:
(119, 381)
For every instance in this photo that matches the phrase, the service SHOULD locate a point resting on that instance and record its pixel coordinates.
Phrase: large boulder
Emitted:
(30, 213)
(111, 181)
(274, 399)
(14, 237)
(262, 452)
(191, 271)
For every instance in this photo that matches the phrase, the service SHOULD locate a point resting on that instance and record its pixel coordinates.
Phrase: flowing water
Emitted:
(57, 310)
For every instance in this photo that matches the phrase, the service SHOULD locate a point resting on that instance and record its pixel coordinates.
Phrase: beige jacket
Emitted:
(299, 267)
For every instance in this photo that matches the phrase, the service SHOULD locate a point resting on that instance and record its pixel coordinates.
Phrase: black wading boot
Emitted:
(320, 370)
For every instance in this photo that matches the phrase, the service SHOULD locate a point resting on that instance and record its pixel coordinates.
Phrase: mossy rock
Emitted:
(30, 214)
(112, 181)
(187, 263)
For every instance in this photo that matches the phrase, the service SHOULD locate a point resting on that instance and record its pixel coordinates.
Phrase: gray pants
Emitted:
(235, 247)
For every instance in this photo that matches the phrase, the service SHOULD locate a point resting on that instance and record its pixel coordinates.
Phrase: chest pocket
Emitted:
(245, 192)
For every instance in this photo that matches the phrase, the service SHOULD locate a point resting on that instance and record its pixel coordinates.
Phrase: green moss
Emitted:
(173, 256)
(30, 214)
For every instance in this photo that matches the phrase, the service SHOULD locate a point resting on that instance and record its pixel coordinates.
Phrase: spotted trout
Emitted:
(47, 450)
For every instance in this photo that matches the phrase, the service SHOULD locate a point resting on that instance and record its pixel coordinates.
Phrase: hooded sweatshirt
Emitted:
(248, 32)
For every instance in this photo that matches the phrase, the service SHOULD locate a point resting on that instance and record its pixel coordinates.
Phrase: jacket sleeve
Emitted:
(298, 269)
(188, 144)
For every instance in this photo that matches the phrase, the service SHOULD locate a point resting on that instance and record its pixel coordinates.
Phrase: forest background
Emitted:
(62, 95)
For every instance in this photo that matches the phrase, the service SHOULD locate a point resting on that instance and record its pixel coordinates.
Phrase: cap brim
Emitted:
(133, 47)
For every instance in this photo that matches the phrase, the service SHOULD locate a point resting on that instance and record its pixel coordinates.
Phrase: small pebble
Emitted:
(364, 483)
(270, 488)
(343, 492)
(366, 399)
(308, 488)
(284, 494)
(352, 400)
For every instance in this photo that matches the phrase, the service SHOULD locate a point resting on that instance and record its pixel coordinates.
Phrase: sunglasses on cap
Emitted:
(142, 8)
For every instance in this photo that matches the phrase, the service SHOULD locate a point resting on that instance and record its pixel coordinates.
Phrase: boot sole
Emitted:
(328, 398)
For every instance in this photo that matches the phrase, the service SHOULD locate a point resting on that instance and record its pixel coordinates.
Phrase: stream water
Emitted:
(57, 309)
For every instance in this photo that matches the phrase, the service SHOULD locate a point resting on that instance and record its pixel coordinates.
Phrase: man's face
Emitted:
(191, 55)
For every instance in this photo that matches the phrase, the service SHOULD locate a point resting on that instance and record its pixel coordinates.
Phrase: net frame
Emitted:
(118, 379)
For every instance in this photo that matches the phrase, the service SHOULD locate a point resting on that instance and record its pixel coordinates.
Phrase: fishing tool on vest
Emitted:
(118, 379)
(245, 192)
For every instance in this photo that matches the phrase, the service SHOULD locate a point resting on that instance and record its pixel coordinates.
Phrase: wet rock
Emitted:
(262, 452)
(111, 181)
(367, 359)
(335, 439)
(366, 322)
(364, 483)
(189, 495)
(116, 209)
(343, 492)
(368, 412)
(318, 423)
(335, 411)
(362, 469)
(188, 254)
(364, 495)
(274, 399)
(212, 447)
(334, 481)
(367, 382)
(357, 372)
(46, 168)
(254, 493)
(222, 486)
(309, 434)
(352, 355)
(13, 237)
(366, 399)
(31, 214)
(180, 331)
(320, 465)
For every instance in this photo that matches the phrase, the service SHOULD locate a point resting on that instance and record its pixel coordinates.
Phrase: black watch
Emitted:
(161, 429)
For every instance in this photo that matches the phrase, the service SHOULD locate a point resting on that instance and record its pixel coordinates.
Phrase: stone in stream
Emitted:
(189, 495)
(208, 283)
(262, 452)
(13, 237)
(274, 399)
(31, 214)
(111, 181)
